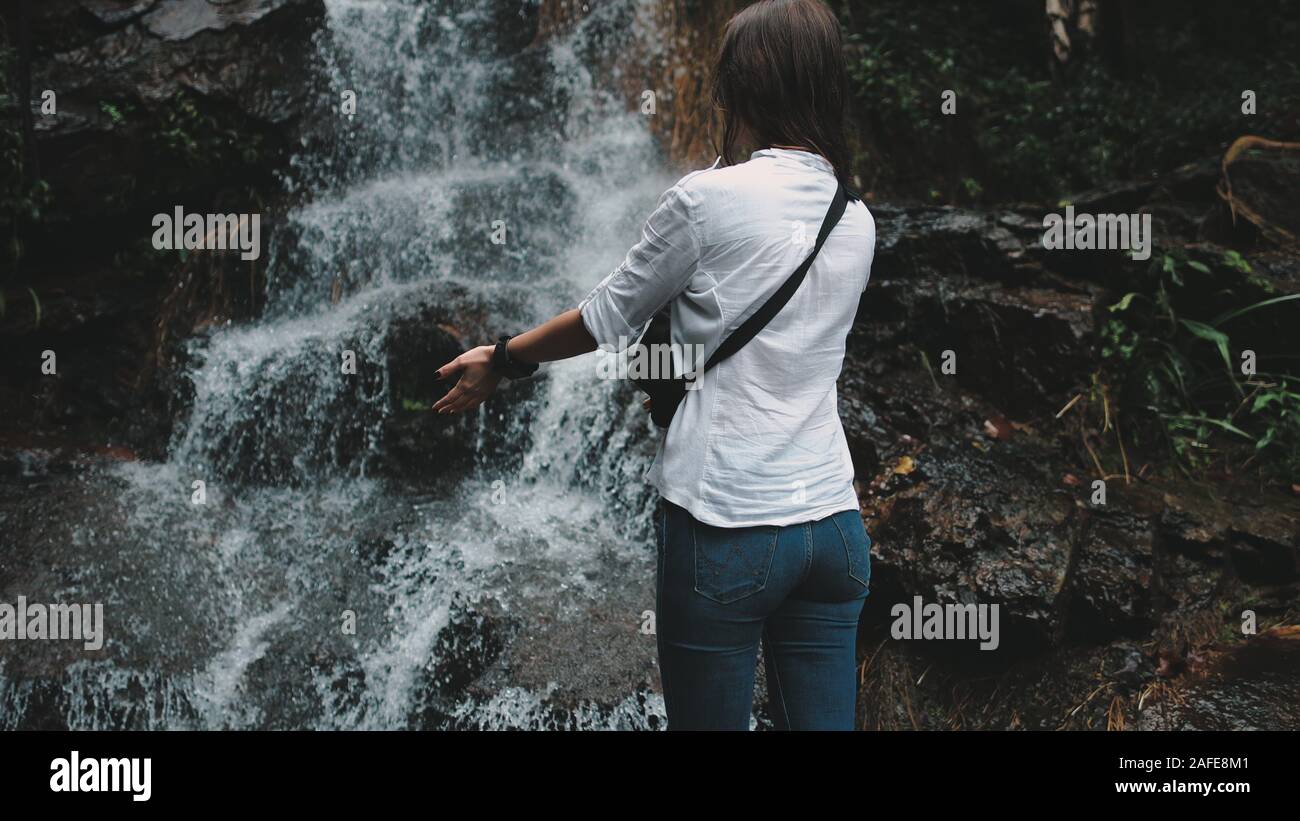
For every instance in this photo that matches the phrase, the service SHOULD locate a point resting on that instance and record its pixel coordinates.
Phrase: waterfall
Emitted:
(313, 589)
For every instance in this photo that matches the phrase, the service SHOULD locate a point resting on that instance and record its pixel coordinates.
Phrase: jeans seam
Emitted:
(776, 673)
(808, 551)
(661, 571)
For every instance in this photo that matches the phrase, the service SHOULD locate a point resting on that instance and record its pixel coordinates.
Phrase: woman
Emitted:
(760, 535)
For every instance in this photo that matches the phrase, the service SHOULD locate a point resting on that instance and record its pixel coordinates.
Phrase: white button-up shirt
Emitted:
(759, 442)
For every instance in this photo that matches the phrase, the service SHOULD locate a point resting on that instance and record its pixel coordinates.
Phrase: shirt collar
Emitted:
(805, 157)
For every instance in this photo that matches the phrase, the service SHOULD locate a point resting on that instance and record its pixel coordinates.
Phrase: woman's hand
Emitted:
(558, 338)
(477, 381)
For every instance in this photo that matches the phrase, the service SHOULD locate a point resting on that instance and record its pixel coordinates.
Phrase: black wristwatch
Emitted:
(507, 367)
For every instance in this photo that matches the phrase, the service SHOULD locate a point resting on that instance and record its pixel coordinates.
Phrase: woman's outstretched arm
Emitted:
(562, 337)
(654, 271)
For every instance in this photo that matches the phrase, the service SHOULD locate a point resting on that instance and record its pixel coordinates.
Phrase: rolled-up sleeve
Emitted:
(654, 271)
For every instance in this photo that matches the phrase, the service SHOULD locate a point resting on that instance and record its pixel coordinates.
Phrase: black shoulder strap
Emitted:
(750, 328)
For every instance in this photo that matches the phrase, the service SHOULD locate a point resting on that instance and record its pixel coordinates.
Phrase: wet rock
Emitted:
(890, 408)
(546, 668)
(419, 444)
(1112, 687)
(959, 517)
(957, 243)
(1110, 592)
(1189, 186)
(150, 97)
(196, 70)
(472, 642)
(1258, 531)
(182, 19)
(972, 283)
(981, 529)
(99, 326)
(430, 330)
(970, 485)
(116, 12)
(1068, 688)
(1250, 687)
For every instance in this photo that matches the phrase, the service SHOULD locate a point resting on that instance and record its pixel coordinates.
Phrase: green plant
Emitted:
(186, 133)
(1183, 367)
(21, 201)
(116, 113)
(1236, 261)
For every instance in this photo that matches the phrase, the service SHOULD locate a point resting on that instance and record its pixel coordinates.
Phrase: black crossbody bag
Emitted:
(667, 392)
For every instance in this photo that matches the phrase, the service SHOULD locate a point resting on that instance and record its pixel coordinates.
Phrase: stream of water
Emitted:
(510, 596)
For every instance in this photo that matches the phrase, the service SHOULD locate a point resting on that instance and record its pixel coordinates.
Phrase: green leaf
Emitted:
(1222, 318)
(1235, 260)
(1263, 400)
(1218, 423)
(37, 303)
(1123, 304)
(1209, 334)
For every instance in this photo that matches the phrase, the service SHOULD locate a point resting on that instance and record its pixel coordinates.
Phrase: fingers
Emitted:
(452, 400)
(452, 396)
(475, 385)
(465, 404)
(459, 399)
(449, 370)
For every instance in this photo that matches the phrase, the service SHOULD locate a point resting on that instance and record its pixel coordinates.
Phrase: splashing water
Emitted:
(312, 589)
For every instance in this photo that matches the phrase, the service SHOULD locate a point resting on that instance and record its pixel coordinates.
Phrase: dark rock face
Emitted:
(977, 490)
(160, 103)
(1113, 574)
(422, 446)
(1250, 688)
(974, 284)
(153, 97)
(978, 529)
(1103, 608)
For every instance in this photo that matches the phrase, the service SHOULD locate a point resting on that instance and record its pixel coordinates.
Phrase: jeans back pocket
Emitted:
(857, 545)
(732, 562)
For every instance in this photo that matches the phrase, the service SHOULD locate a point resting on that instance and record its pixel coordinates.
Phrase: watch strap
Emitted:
(507, 367)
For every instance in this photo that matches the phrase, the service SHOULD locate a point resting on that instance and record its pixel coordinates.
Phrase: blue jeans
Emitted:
(720, 591)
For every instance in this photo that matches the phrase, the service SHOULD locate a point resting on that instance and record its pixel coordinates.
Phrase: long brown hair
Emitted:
(780, 76)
